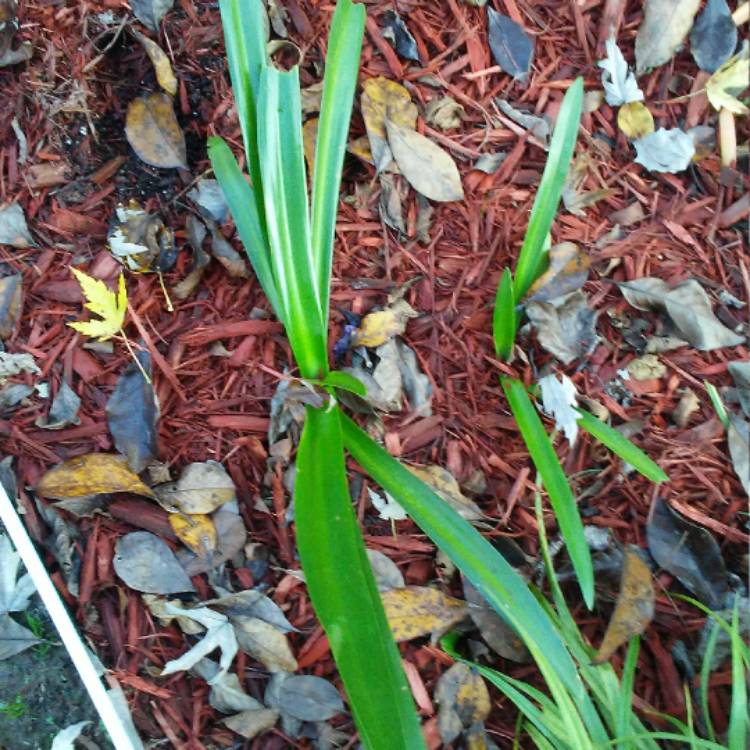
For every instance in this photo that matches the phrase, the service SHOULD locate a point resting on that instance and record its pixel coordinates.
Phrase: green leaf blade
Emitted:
(555, 482)
(344, 593)
(547, 199)
(622, 447)
(342, 64)
(504, 322)
(480, 562)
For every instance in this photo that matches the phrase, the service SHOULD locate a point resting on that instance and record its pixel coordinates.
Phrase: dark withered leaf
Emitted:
(688, 552)
(395, 31)
(64, 409)
(512, 47)
(390, 208)
(309, 698)
(225, 253)
(132, 414)
(151, 12)
(714, 36)
(11, 297)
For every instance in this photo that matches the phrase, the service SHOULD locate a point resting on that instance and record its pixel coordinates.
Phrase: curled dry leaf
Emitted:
(252, 603)
(395, 31)
(91, 474)
(197, 532)
(565, 326)
(202, 488)
(163, 68)
(729, 81)
(378, 327)
(687, 305)
(447, 488)
(620, 86)
(11, 302)
(133, 414)
(389, 510)
(688, 552)
(647, 367)
(249, 724)
(157, 605)
(14, 593)
(444, 112)
(464, 700)
(539, 127)
(428, 169)
(151, 12)
(738, 437)
(227, 695)
(145, 563)
(13, 229)
(64, 409)
(140, 240)
(416, 611)
(567, 271)
(65, 738)
(264, 642)
(634, 609)
(559, 402)
(386, 572)
(512, 47)
(498, 635)
(688, 404)
(209, 196)
(153, 132)
(382, 98)
(665, 26)
(230, 539)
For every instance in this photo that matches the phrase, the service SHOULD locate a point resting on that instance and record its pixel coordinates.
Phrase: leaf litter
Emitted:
(665, 27)
(153, 132)
(416, 611)
(145, 563)
(511, 46)
(463, 699)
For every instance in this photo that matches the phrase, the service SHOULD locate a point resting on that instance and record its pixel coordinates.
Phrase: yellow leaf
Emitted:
(383, 99)
(635, 120)
(446, 486)
(154, 133)
(415, 611)
(464, 701)
(730, 80)
(164, 74)
(634, 609)
(110, 307)
(197, 532)
(568, 270)
(309, 140)
(91, 474)
(379, 327)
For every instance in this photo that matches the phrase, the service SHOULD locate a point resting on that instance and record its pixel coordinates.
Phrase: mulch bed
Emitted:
(70, 103)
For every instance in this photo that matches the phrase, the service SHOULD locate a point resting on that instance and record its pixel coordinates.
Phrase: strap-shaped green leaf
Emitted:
(287, 217)
(555, 482)
(504, 317)
(621, 446)
(241, 202)
(342, 64)
(245, 27)
(343, 590)
(479, 561)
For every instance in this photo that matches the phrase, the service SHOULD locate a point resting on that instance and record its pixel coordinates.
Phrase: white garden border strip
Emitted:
(115, 726)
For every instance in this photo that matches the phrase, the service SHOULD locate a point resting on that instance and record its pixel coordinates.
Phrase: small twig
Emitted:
(134, 356)
(93, 63)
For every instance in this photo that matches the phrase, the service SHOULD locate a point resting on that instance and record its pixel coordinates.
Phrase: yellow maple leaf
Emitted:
(110, 307)
(728, 81)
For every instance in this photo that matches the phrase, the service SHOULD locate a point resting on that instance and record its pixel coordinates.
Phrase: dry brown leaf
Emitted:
(568, 270)
(202, 488)
(154, 133)
(665, 25)
(382, 98)
(446, 486)
(92, 474)
(429, 169)
(309, 141)
(164, 73)
(415, 611)
(264, 642)
(250, 723)
(634, 609)
(196, 531)
(464, 701)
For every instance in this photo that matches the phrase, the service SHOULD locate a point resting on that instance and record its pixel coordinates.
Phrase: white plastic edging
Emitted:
(68, 633)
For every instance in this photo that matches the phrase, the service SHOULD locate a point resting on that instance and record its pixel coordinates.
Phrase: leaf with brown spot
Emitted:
(416, 611)
(382, 98)
(92, 474)
(634, 609)
(197, 532)
(153, 132)
(464, 701)
(164, 73)
(568, 270)
(427, 168)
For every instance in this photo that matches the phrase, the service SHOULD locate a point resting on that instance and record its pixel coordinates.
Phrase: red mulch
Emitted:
(71, 103)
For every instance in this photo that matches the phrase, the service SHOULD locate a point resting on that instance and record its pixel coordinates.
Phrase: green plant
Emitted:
(290, 246)
(511, 291)
(601, 715)
(36, 626)
(15, 709)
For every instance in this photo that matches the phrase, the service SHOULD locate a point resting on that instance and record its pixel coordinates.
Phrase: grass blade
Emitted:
(561, 147)
(705, 676)
(241, 201)
(623, 708)
(738, 712)
(342, 64)
(504, 317)
(343, 590)
(622, 447)
(244, 25)
(555, 482)
(285, 196)
(480, 562)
